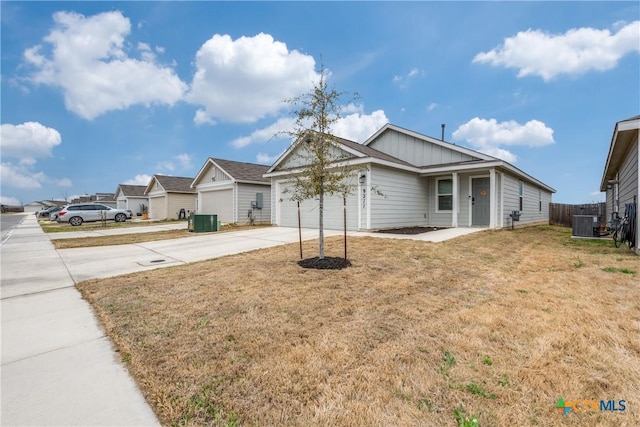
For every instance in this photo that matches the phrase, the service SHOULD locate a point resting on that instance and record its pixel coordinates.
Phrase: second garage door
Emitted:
(157, 208)
(219, 203)
(309, 212)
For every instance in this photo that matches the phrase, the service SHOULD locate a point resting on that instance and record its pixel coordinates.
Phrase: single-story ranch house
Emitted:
(621, 178)
(131, 197)
(408, 179)
(235, 191)
(42, 205)
(168, 195)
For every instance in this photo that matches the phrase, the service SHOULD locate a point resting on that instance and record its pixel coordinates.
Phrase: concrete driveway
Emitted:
(107, 261)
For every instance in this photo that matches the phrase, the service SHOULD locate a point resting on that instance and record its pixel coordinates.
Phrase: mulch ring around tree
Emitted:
(326, 263)
(409, 230)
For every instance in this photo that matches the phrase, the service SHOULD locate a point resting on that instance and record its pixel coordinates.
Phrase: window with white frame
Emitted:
(539, 200)
(521, 192)
(445, 194)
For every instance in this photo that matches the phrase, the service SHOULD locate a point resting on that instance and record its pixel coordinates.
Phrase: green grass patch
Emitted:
(619, 270)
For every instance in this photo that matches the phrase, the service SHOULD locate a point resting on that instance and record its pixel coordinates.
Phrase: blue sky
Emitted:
(95, 94)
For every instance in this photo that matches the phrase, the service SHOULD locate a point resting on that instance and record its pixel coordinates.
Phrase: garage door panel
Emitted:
(219, 203)
(156, 208)
(310, 216)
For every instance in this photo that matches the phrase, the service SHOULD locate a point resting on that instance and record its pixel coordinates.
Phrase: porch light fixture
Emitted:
(362, 178)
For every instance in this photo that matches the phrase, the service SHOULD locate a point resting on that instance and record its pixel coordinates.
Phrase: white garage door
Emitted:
(157, 207)
(309, 212)
(219, 203)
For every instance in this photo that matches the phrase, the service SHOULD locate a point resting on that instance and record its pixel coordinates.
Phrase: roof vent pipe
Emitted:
(442, 138)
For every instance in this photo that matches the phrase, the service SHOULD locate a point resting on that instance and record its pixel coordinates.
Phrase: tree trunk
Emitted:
(299, 230)
(321, 228)
(344, 208)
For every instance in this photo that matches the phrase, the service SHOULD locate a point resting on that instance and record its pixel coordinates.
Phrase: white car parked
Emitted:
(90, 212)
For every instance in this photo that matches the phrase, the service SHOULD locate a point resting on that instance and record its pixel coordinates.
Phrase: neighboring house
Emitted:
(102, 198)
(131, 197)
(168, 195)
(234, 191)
(37, 206)
(408, 179)
(42, 205)
(621, 177)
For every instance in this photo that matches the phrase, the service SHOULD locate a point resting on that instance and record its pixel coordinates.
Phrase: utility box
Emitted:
(585, 226)
(203, 223)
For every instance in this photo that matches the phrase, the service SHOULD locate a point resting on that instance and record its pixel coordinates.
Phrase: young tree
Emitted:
(323, 167)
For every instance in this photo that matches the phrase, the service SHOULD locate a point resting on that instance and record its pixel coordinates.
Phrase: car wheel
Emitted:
(75, 221)
(120, 217)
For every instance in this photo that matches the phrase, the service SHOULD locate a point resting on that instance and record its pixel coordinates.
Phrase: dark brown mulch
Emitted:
(409, 230)
(326, 263)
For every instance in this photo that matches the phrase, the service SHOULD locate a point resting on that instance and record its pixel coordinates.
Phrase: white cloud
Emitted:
(403, 80)
(10, 201)
(181, 162)
(139, 180)
(64, 182)
(356, 127)
(284, 124)
(88, 60)
(184, 160)
(534, 52)
(28, 141)
(246, 79)
(17, 177)
(201, 118)
(359, 127)
(488, 136)
(266, 159)
(432, 106)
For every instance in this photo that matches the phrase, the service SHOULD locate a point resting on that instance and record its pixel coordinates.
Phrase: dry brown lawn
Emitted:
(495, 324)
(64, 227)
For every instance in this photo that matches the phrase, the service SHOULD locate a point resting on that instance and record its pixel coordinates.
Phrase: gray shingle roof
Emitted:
(242, 171)
(175, 183)
(132, 190)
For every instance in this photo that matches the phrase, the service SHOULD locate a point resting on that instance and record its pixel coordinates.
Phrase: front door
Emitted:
(480, 201)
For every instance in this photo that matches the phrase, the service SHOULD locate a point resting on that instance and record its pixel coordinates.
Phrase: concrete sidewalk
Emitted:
(58, 367)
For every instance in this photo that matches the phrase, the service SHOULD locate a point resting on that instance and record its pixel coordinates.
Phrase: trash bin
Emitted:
(203, 223)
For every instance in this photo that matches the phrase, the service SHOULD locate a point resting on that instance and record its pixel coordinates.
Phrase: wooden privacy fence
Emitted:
(560, 214)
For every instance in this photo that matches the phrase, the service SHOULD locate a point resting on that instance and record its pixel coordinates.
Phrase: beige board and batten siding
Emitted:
(416, 151)
(213, 174)
(404, 200)
(246, 195)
